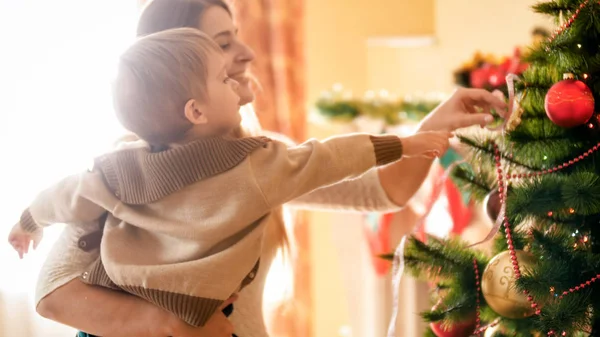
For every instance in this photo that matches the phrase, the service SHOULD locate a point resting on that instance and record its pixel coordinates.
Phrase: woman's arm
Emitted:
(384, 189)
(107, 313)
(103, 312)
(62, 297)
(398, 182)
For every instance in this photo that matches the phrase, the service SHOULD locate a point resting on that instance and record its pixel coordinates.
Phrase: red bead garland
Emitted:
(581, 286)
(477, 312)
(567, 24)
(482, 329)
(509, 241)
(507, 230)
(546, 171)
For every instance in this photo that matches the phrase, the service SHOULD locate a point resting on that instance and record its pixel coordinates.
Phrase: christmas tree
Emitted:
(539, 179)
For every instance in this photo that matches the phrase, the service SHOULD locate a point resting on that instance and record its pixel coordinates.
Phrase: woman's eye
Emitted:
(225, 46)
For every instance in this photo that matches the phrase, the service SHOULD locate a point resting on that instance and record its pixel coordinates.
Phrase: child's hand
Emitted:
(426, 144)
(20, 239)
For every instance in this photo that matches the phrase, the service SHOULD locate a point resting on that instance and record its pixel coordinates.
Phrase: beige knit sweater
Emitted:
(184, 229)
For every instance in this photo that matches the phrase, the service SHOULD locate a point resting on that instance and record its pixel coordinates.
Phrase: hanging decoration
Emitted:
(338, 104)
(569, 103)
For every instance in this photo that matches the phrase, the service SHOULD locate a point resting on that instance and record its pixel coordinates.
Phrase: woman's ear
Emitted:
(194, 112)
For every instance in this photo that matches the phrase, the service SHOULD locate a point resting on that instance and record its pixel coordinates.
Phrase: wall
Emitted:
(462, 27)
(336, 34)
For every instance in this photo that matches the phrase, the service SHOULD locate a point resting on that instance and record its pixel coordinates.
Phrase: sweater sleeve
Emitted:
(284, 173)
(363, 194)
(68, 201)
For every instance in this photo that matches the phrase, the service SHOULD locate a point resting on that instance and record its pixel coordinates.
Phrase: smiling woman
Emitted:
(55, 115)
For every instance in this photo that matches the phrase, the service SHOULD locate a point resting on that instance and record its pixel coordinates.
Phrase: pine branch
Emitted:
(436, 258)
(532, 102)
(483, 151)
(453, 264)
(460, 309)
(541, 76)
(479, 185)
(519, 239)
(555, 269)
(558, 194)
(528, 154)
(538, 128)
(555, 8)
(565, 315)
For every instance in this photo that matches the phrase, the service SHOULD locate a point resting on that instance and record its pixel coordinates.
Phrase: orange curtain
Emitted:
(274, 29)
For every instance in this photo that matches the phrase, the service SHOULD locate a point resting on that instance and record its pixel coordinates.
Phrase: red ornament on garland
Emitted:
(492, 204)
(479, 77)
(569, 103)
(497, 77)
(463, 329)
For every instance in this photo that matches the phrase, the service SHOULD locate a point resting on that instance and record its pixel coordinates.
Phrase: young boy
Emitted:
(183, 210)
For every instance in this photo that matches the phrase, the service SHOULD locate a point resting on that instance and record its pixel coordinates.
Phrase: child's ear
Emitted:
(194, 112)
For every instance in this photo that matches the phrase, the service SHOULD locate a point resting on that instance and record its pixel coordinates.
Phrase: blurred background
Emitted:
(325, 67)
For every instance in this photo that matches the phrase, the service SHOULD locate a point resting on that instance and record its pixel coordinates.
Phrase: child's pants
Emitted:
(227, 311)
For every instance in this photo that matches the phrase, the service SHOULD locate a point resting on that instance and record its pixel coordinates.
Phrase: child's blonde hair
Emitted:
(156, 76)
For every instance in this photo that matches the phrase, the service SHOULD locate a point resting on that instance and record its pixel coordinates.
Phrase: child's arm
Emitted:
(284, 173)
(64, 202)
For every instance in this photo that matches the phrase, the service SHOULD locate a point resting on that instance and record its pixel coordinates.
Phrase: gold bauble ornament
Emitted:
(498, 285)
(489, 332)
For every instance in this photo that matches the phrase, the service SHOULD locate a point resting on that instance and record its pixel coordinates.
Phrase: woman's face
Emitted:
(217, 23)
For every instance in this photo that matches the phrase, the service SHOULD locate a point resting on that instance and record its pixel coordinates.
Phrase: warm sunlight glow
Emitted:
(55, 109)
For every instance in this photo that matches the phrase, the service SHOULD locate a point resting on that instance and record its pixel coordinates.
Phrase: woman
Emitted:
(63, 298)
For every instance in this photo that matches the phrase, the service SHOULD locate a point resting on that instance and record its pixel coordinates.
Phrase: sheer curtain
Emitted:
(56, 62)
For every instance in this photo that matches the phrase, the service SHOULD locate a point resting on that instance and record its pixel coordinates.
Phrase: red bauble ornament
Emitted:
(569, 103)
(479, 77)
(497, 77)
(463, 329)
(493, 205)
(522, 67)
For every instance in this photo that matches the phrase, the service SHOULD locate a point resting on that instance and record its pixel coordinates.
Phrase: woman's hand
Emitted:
(466, 107)
(217, 326)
